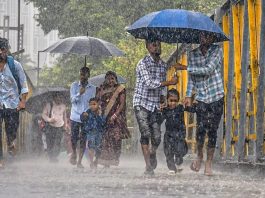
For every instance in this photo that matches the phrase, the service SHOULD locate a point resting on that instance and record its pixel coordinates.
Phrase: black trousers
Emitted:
(208, 119)
(77, 134)
(175, 149)
(11, 119)
(53, 138)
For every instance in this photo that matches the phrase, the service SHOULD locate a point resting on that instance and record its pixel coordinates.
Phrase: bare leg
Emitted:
(91, 155)
(153, 160)
(73, 158)
(196, 164)
(208, 164)
(81, 153)
(146, 153)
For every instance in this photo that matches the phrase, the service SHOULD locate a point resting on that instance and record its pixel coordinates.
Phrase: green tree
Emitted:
(105, 18)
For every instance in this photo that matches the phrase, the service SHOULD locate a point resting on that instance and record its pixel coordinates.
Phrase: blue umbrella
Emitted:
(176, 26)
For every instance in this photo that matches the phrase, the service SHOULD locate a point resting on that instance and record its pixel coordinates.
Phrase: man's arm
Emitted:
(22, 102)
(211, 66)
(65, 119)
(24, 86)
(190, 86)
(84, 116)
(45, 113)
(74, 93)
(179, 66)
(153, 83)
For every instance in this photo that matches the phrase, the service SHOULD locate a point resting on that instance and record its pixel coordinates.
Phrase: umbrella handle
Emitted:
(175, 73)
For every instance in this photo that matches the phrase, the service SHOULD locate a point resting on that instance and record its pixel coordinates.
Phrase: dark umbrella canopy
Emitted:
(43, 95)
(176, 26)
(99, 79)
(85, 45)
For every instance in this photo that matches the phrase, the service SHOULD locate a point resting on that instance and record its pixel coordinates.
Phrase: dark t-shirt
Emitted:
(175, 125)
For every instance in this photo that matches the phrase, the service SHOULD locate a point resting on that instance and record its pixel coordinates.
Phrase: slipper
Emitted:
(171, 172)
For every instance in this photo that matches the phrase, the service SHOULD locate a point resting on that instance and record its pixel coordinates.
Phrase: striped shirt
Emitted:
(149, 75)
(204, 74)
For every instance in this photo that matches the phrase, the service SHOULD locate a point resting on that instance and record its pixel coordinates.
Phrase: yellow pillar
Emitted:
(170, 74)
(253, 47)
(184, 76)
(226, 51)
(258, 22)
(237, 24)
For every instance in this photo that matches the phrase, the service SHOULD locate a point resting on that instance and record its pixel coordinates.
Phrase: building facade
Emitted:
(32, 37)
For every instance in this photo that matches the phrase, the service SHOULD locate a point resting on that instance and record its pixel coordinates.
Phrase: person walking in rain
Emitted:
(93, 126)
(54, 113)
(81, 91)
(205, 78)
(112, 96)
(13, 94)
(175, 146)
(150, 81)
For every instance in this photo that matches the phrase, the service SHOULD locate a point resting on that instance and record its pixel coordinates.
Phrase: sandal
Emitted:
(196, 165)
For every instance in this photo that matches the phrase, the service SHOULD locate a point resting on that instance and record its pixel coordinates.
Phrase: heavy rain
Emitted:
(132, 98)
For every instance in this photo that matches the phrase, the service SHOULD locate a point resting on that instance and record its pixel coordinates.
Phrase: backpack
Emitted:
(12, 67)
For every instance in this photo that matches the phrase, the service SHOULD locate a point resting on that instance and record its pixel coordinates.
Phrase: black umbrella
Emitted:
(43, 95)
(99, 79)
(85, 45)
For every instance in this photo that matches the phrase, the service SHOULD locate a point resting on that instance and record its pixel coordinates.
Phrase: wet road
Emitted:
(32, 178)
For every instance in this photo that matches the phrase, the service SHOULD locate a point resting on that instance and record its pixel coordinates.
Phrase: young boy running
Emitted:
(93, 126)
(175, 146)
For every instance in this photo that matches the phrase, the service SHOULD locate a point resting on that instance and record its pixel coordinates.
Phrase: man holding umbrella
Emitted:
(13, 93)
(205, 78)
(81, 91)
(204, 66)
(150, 81)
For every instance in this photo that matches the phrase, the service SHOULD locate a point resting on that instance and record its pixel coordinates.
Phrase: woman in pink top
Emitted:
(54, 113)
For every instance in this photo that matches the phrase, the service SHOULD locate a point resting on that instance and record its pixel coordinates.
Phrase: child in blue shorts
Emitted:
(93, 126)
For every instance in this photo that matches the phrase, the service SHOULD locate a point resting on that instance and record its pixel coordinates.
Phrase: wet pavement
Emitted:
(37, 178)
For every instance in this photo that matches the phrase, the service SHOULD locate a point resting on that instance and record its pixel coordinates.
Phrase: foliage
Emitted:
(103, 18)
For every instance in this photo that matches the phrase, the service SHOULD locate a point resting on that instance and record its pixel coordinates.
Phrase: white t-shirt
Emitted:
(58, 112)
